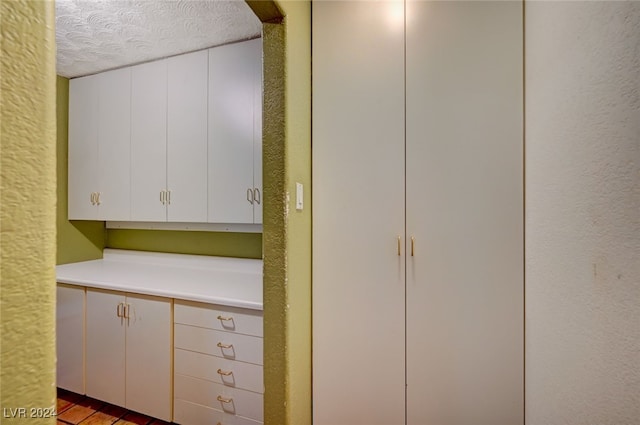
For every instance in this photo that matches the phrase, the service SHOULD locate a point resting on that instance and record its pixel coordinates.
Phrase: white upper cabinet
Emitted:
(234, 81)
(177, 140)
(114, 135)
(149, 141)
(83, 147)
(187, 137)
(99, 126)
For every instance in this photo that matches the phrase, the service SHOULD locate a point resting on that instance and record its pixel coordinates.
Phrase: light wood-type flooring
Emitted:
(75, 409)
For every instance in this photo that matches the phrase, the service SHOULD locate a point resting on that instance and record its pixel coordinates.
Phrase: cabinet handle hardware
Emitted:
(98, 198)
(92, 201)
(127, 310)
(223, 373)
(226, 319)
(224, 400)
(168, 197)
(119, 310)
(162, 197)
(399, 248)
(225, 346)
(256, 195)
(413, 240)
(250, 196)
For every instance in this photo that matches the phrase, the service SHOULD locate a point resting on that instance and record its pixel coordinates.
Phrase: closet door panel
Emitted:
(358, 214)
(465, 211)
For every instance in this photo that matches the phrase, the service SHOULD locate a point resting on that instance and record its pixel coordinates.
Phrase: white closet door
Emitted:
(231, 101)
(148, 141)
(105, 347)
(187, 137)
(465, 211)
(83, 147)
(114, 142)
(148, 387)
(358, 213)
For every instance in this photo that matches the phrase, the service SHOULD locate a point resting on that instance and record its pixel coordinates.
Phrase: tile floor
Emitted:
(75, 409)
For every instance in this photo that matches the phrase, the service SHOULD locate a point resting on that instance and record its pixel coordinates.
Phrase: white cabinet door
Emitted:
(149, 141)
(70, 338)
(257, 132)
(83, 147)
(464, 211)
(105, 346)
(114, 128)
(148, 356)
(187, 137)
(358, 214)
(232, 75)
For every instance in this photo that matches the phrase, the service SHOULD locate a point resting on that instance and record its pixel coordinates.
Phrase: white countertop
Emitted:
(235, 282)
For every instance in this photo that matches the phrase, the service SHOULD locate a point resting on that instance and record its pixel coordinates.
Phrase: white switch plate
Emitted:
(299, 197)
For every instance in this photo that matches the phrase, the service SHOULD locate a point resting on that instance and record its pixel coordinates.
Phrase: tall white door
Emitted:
(149, 141)
(465, 213)
(187, 137)
(358, 213)
(231, 131)
(114, 137)
(148, 352)
(105, 346)
(83, 147)
(257, 133)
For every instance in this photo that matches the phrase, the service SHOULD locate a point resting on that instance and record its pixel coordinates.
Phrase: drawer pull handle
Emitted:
(224, 400)
(223, 373)
(224, 318)
(225, 346)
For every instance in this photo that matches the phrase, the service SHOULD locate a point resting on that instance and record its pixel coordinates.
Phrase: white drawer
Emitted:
(229, 400)
(229, 345)
(187, 413)
(247, 322)
(246, 376)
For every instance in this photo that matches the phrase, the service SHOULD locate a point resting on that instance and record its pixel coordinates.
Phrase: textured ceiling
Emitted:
(96, 35)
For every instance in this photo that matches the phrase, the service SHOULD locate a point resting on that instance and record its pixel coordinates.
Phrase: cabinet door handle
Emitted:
(399, 246)
(223, 373)
(250, 196)
(256, 195)
(225, 319)
(162, 197)
(92, 198)
(168, 197)
(224, 400)
(98, 197)
(224, 346)
(413, 240)
(119, 310)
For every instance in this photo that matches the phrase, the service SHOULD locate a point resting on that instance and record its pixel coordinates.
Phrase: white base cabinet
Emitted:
(217, 365)
(128, 351)
(70, 337)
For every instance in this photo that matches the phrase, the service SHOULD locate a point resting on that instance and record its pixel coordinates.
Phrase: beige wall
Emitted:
(582, 213)
(27, 209)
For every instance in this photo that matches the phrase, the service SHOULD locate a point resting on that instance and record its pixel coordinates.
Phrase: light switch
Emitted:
(299, 196)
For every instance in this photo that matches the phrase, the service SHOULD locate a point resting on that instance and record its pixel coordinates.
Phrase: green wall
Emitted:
(287, 232)
(80, 240)
(27, 209)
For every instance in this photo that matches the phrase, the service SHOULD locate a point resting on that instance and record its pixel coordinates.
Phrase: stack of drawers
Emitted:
(218, 375)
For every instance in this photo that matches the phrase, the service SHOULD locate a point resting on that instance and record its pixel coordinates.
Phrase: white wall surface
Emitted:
(582, 62)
